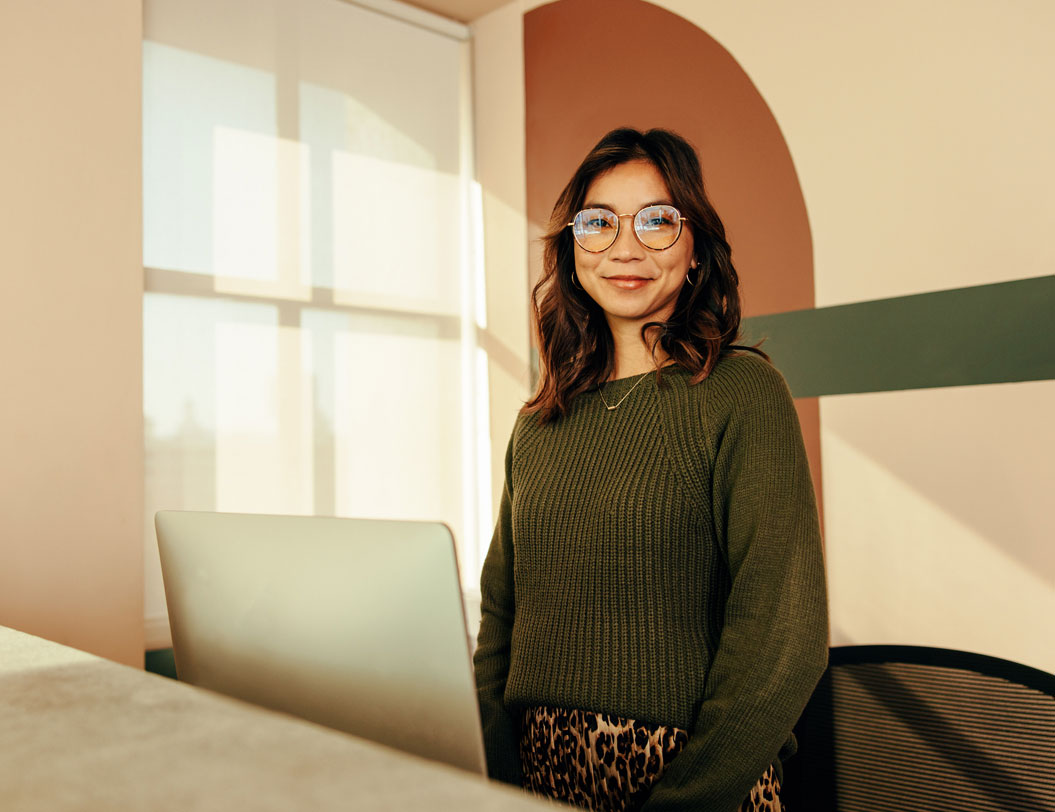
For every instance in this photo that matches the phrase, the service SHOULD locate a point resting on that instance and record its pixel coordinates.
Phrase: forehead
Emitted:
(628, 186)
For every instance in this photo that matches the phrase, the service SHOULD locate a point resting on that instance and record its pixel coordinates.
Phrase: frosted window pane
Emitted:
(387, 395)
(262, 214)
(186, 98)
(263, 417)
(398, 233)
(227, 401)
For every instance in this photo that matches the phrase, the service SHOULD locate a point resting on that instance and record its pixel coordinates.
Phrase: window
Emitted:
(312, 277)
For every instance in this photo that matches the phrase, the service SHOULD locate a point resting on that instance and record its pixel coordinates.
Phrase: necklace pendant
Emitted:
(612, 407)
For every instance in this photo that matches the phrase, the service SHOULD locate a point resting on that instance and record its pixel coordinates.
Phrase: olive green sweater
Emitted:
(661, 562)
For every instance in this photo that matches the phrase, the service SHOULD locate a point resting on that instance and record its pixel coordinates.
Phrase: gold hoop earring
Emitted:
(688, 279)
(575, 281)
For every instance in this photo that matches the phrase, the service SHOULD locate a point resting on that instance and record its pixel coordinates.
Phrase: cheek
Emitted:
(678, 265)
(585, 262)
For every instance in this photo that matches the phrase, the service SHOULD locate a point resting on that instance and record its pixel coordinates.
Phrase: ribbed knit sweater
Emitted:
(661, 562)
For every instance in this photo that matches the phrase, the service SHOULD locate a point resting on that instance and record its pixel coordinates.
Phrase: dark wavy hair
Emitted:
(576, 352)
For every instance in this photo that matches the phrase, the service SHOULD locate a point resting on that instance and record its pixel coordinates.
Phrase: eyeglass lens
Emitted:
(657, 227)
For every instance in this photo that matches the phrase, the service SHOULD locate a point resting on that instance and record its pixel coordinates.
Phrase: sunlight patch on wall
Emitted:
(398, 240)
(936, 515)
(261, 215)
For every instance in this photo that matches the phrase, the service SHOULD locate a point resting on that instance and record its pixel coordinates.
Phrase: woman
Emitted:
(654, 615)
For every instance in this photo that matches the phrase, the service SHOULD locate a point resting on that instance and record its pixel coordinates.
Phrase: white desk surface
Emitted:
(78, 732)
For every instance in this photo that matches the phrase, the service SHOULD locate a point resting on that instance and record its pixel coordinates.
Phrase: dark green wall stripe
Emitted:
(984, 334)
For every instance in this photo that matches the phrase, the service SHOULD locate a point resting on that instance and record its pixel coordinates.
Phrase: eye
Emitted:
(596, 220)
(658, 217)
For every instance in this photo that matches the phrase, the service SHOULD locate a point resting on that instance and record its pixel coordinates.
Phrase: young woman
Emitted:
(654, 615)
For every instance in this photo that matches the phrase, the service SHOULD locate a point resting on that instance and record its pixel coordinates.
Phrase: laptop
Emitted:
(356, 624)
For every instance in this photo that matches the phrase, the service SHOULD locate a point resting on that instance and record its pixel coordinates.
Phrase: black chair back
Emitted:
(910, 728)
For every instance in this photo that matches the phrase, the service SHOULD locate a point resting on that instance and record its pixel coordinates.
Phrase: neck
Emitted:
(632, 355)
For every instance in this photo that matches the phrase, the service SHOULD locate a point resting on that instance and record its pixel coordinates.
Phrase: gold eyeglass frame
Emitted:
(619, 227)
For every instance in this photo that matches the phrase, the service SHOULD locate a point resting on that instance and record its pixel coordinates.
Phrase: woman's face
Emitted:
(632, 284)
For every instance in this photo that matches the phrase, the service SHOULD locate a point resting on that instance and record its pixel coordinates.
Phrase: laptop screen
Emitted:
(356, 624)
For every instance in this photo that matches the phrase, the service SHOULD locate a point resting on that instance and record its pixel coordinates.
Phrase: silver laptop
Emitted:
(356, 624)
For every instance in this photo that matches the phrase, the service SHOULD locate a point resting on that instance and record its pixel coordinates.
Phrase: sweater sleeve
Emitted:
(774, 638)
(491, 660)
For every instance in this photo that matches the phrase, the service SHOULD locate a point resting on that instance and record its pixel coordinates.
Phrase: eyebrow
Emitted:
(589, 204)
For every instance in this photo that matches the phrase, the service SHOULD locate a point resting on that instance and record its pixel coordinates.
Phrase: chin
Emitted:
(634, 315)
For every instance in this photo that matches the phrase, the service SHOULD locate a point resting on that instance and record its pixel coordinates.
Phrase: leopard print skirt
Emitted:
(606, 763)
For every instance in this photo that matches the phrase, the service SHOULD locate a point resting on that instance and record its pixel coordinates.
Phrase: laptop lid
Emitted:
(356, 624)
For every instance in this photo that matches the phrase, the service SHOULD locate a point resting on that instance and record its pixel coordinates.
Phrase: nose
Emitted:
(626, 247)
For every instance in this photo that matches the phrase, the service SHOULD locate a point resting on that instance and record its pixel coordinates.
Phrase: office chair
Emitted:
(912, 729)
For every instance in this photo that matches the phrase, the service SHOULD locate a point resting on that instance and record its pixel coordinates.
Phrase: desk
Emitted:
(78, 732)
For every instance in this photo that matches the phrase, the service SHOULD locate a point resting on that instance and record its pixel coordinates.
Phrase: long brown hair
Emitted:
(576, 352)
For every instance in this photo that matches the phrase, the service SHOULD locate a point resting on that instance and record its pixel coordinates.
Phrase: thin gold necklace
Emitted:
(614, 406)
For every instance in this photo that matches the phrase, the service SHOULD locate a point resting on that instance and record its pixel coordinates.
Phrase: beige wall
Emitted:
(71, 482)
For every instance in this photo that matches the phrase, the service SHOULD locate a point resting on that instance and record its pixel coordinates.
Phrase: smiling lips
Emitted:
(628, 282)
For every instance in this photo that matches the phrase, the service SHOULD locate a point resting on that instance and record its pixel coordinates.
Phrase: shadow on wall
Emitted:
(938, 499)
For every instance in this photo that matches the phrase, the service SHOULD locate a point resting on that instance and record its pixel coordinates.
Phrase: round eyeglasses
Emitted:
(657, 228)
